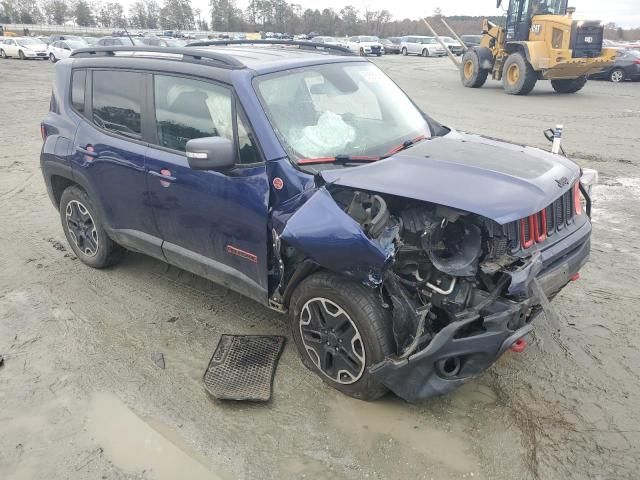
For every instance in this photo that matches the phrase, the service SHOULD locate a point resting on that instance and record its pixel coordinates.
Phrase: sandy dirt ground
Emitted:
(81, 398)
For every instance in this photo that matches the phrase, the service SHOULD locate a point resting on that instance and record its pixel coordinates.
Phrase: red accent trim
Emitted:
(540, 218)
(527, 243)
(397, 148)
(242, 253)
(577, 194)
(519, 345)
(575, 276)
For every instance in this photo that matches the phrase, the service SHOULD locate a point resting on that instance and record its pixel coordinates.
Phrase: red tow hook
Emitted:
(519, 345)
(575, 276)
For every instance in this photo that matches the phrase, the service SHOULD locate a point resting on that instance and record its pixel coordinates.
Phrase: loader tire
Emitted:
(518, 76)
(471, 74)
(569, 86)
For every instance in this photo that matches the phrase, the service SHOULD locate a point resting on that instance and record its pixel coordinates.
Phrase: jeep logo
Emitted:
(562, 181)
(588, 39)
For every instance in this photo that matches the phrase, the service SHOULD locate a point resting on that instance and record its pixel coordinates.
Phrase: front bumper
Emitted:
(455, 356)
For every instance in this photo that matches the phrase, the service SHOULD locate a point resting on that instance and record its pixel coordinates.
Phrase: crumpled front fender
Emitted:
(331, 238)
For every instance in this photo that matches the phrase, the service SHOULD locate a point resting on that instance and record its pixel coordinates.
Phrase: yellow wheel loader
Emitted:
(540, 41)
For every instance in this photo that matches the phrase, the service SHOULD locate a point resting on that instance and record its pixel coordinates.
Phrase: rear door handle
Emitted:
(84, 151)
(163, 174)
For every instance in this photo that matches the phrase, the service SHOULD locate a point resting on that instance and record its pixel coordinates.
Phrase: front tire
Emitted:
(569, 86)
(341, 329)
(616, 75)
(425, 52)
(53, 58)
(21, 55)
(518, 76)
(84, 230)
(471, 74)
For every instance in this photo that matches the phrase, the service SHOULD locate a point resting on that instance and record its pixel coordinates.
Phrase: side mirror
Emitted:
(211, 153)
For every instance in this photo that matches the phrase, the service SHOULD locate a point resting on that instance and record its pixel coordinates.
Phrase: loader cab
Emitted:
(520, 13)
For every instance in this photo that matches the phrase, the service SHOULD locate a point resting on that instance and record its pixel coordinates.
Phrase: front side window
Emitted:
(336, 109)
(187, 109)
(117, 98)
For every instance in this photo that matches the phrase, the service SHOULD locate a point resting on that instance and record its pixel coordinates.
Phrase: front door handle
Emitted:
(163, 174)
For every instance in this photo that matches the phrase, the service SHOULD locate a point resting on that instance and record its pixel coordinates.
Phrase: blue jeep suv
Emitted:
(409, 256)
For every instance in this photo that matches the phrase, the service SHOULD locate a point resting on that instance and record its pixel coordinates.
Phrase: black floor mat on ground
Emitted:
(242, 367)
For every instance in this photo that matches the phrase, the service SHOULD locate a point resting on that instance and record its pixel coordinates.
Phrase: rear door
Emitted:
(109, 156)
(213, 223)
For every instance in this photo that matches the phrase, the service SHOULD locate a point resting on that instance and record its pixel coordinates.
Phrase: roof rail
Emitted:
(227, 61)
(284, 43)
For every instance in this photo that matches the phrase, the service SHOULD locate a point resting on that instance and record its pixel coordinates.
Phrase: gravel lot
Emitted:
(81, 397)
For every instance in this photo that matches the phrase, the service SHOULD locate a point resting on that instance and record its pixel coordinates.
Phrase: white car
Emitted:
(329, 41)
(365, 45)
(62, 49)
(23, 48)
(425, 46)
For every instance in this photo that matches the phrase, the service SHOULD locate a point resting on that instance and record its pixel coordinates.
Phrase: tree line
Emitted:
(225, 16)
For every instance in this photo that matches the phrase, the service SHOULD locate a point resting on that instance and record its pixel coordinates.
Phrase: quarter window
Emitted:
(116, 102)
(187, 109)
(77, 89)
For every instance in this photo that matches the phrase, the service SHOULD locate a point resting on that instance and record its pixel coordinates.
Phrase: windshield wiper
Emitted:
(403, 146)
(342, 159)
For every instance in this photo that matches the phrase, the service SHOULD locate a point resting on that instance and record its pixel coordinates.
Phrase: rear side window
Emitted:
(78, 78)
(117, 98)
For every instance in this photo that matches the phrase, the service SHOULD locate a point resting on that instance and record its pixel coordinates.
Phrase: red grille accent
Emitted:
(540, 223)
(527, 226)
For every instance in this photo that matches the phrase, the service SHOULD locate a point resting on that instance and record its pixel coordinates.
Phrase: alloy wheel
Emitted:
(332, 340)
(82, 228)
(617, 76)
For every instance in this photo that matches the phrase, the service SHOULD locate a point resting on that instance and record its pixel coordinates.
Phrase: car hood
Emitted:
(36, 48)
(498, 180)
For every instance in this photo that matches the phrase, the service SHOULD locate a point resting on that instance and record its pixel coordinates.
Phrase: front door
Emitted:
(109, 154)
(213, 223)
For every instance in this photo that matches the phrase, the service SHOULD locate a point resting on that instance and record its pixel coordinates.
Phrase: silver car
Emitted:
(425, 46)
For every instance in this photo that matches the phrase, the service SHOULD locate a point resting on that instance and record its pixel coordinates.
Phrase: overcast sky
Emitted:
(623, 12)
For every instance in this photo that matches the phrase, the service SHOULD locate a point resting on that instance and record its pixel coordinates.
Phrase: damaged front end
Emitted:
(459, 286)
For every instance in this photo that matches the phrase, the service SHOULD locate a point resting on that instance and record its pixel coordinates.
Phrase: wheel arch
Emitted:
(485, 57)
(519, 47)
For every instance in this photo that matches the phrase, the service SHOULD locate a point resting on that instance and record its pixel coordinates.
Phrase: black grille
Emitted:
(586, 39)
(551, 224)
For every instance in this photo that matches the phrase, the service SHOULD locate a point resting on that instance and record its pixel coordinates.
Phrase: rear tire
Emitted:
(84, 230)
(616, 75)
(341, 329)
(471, 74)
(3, 54)
(518, 76)
(569, 86)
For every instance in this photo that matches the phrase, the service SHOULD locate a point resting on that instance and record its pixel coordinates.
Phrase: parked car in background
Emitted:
(329, 41)
(45, 40)
(119, 41)
(23, 48)
(55, 38)
(90, 40)
(391, 45)
(62, 49)
(365, 45)
(418, 45)
(162, 42)
(626, 67)
(453, 45)
(471, 40)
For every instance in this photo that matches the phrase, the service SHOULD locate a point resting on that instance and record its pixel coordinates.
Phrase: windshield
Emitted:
(350, 109)
(29, 41)
(368, 39)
